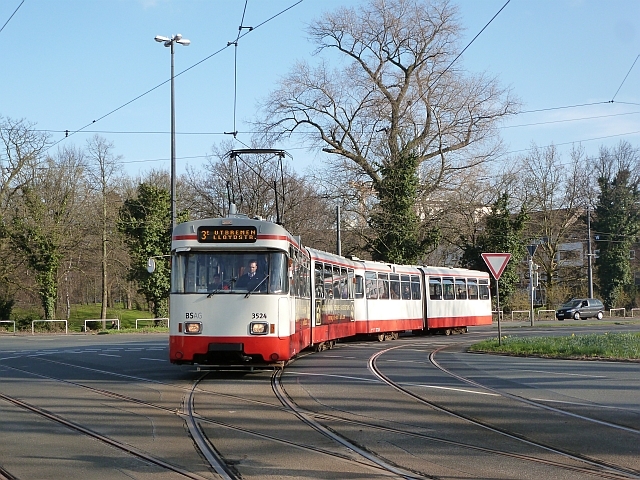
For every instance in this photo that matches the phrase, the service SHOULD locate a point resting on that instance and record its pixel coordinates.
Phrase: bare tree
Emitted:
(555, 193)
(398, 103)
(102, 170)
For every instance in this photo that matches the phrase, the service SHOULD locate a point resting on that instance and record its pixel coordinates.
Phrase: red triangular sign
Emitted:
(496, 262)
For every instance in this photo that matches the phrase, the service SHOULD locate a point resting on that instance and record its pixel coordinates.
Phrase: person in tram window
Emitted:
(252, 278)
(216, 283)
(406, 292)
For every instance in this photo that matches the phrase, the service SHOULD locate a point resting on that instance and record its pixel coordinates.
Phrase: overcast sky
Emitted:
(68, 63)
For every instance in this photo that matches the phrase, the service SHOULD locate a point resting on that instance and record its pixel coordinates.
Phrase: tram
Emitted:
(245, 292)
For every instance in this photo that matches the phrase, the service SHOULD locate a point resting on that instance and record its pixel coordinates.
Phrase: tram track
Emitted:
(604, 469)
(124, 447)
(194, 422)
(311, 422)
(318, 421)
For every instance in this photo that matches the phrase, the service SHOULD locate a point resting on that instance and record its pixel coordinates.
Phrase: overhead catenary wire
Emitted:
(73, 132)
(9, 19)
(248, 132)
(235, 69)
(625, 77)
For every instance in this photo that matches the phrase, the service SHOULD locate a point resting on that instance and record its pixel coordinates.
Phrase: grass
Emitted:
(80, 313)
(608, 346)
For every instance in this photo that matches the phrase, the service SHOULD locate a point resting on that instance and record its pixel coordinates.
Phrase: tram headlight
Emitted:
(258, 328)
(192, 327)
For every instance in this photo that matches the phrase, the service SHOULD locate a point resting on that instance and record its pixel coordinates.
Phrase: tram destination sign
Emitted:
(227, 234)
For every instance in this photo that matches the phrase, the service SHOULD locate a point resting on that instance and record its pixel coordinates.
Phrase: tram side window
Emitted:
(448, 292)
(319, 280)
(483, 287)
(472, 288)
(435, 288)
(328, 281)
(405, 287)
(278, 274)
(383, 285)
(371, 284)
(178, 274)
(394, 286)
(350, 283)
(461, 289)
(190, 277)
(416, 291)
(359, 287)
(303, 277)
(336, 282)
(344, 283)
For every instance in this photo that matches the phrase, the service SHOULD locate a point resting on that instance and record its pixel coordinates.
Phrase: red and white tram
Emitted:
(246, 292)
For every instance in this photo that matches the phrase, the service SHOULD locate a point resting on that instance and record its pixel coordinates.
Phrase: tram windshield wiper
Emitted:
(229, 288)
(257, 286)
(214, 292)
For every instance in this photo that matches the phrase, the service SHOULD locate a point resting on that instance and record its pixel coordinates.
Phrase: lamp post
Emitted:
(168, 42)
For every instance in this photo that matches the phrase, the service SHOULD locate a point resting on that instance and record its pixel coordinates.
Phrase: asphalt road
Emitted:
(128, 402)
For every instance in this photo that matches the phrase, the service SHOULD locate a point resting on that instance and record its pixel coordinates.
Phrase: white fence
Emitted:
(497, 313)
(553, 313)
(624, 311)
(10, 321)
(633, 310)
(113, 321)
(521, 311)
(154, 320)
(33, 329)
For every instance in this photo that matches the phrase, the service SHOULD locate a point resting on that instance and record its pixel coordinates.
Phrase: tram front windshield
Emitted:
(229, 272)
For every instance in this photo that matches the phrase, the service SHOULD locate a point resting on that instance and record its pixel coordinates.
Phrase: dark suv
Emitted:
(578, 308)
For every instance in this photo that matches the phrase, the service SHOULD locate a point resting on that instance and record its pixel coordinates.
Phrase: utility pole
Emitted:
(338, 240)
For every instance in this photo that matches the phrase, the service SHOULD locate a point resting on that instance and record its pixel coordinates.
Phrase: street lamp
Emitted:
(168, 42)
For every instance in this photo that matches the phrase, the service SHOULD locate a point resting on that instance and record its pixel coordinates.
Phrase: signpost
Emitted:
(497, 262)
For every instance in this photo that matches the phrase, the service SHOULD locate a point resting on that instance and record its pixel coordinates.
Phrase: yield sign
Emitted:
(496, 262)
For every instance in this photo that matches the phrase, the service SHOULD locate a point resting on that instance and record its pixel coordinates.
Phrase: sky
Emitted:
(93, 67)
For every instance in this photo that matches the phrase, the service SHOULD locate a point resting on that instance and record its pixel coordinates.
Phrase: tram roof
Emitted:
(185, 234)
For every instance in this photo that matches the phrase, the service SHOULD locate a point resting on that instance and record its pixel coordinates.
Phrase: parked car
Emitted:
(578, 308)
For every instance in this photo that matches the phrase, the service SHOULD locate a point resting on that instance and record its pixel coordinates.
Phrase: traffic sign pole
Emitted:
(497, 262)
(498, 307)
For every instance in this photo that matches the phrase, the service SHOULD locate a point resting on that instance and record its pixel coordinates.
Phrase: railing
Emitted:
(163, 319)
(553, 313)
(624, 311)
(499, 314)
(521, 311)
(33, 330)
(113, 321)
(634, 310)
(10, 321)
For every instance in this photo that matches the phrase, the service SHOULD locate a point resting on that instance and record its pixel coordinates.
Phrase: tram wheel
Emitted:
(381, 337)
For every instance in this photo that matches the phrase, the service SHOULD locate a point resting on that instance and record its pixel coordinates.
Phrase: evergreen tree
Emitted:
(616, 224)
(502, 234)
(146, 223)
(398, 234)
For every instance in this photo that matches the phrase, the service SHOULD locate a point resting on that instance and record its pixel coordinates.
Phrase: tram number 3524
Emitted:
(258, 315)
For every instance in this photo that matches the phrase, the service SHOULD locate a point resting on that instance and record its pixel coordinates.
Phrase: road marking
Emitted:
(335, 376)
(436, 387)
(562, 373)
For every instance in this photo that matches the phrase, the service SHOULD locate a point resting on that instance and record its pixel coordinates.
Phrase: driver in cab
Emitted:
(251, 279)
